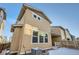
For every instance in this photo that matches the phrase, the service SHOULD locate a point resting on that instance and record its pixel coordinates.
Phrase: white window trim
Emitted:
(32, 38)
(43, 40)
(38, 39)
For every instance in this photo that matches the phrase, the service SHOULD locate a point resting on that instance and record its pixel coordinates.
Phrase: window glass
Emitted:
(46, 38)
(35, 16)
(35, 33)
(46, 35)
(38, 18)
(41, 39)
(35, 40)
(35, 37)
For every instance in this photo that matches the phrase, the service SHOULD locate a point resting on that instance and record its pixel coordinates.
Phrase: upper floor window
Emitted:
(38, 18)
(35, 16)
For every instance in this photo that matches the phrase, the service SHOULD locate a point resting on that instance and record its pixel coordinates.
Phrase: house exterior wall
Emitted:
(68, 36)
(58, 34)
(63, 36)
(59, 31)
(24, 41)
(17, 35)
(56, 31)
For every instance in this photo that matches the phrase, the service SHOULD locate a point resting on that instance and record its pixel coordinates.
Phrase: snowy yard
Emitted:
(64, 51)
(57, 51)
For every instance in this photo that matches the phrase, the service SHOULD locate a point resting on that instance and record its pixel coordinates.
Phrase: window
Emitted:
(68, 39)
(38, 18)
(35, 37)
(35, 16)
(41, 39)
(46, 38)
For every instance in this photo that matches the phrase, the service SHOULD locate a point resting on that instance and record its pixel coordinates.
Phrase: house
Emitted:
(32, 30)
(77, 39)
(2, 23)
(68, 35)
(58, 33)
(73, 37)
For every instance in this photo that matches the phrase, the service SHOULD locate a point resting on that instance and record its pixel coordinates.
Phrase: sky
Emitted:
(65, 15)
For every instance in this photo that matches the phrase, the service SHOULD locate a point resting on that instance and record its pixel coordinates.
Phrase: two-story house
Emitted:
(32, 30)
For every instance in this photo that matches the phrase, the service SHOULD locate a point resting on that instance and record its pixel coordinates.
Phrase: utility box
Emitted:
(36, 51)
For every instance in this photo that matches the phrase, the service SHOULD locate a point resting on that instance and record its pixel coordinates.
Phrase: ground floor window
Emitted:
(35, 37)
(46, 38)
(39, 37)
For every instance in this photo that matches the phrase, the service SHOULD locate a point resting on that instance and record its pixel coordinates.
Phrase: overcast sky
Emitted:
(65, 15)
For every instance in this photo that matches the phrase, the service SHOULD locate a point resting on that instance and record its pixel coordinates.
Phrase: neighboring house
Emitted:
(59, 33)
(32, 30)
(73, 37)
(68, 35)
(2, 22)
(77, 39)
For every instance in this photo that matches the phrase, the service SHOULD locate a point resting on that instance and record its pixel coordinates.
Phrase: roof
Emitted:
(58, 27)
(16, 26)
(25, 6)
(1, 9)
(68, 31)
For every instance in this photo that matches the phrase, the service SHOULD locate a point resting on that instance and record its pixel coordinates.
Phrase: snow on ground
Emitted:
(3, 52)
(64, 51)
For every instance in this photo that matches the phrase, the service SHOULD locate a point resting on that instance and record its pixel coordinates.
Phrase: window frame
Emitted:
(40, 39)
(34, 36)
(37, 16)
(45, 38)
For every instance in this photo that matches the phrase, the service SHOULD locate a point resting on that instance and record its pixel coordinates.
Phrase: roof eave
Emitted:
(24, 7)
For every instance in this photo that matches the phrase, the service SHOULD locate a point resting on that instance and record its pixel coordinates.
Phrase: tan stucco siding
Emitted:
(56, 31)
(57, 35)
(26, 41)
(68, 36)
(15, 39)
(42, 24)
(62, 35)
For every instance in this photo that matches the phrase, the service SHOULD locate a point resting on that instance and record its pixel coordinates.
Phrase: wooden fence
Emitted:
(70, 44)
